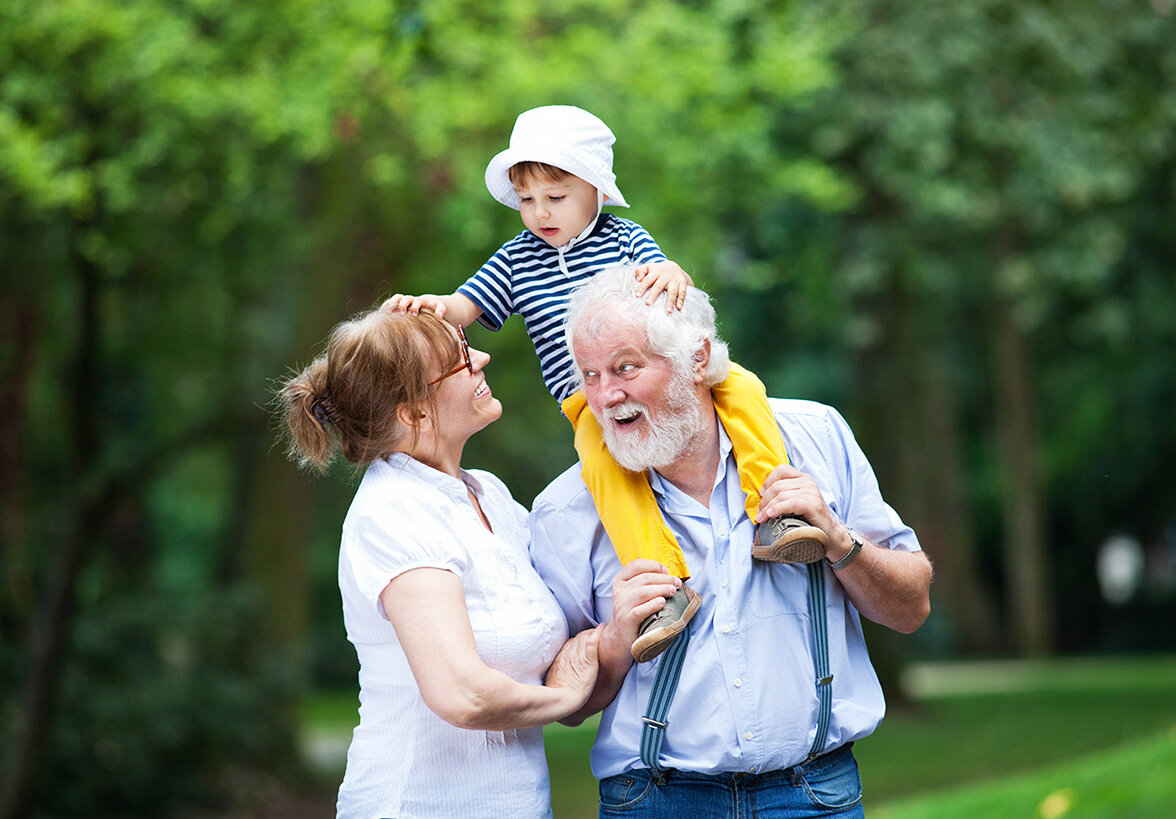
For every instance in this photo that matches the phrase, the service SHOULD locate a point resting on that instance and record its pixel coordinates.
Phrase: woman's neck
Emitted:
(431, 453)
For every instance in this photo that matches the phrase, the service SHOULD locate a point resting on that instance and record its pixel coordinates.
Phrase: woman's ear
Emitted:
(411, 417)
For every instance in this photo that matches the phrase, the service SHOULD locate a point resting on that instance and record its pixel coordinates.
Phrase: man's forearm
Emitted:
(889, 587)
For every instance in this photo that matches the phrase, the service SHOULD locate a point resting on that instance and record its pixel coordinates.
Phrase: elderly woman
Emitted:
(463, 652)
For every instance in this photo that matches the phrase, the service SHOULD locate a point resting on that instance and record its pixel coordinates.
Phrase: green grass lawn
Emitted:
(1137, 780)
(1081, 739)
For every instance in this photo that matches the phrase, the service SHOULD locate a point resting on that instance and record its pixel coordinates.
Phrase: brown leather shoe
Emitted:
(789, 539)
(661, 627)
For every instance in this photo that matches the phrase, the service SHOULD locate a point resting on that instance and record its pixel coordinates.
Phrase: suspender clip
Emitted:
(825, 680)
(652, 723)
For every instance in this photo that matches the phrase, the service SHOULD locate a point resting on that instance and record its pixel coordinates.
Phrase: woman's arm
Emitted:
(427, 608)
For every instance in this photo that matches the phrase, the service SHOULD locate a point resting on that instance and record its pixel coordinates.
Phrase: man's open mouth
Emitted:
(626, 417)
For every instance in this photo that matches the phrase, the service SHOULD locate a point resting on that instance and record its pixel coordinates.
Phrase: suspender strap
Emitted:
(824, 681)
(665, 683)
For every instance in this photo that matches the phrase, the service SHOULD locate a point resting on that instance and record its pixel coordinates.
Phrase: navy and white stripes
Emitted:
(524, 278)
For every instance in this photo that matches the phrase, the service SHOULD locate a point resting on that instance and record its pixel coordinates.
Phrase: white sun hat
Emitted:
(564, 136)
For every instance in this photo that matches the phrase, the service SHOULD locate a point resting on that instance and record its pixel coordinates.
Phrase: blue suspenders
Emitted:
(665, 682)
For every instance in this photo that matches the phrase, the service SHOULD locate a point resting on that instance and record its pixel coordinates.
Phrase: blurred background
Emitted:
(954, 222)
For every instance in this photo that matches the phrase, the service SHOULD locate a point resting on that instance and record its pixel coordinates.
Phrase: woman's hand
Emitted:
(575, 668)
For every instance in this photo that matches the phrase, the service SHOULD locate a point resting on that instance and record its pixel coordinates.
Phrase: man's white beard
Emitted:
(671, 432)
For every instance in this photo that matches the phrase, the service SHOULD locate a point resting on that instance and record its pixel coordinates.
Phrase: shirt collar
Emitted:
(447, 484)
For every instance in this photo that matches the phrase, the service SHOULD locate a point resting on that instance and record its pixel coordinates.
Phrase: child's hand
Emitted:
(413, 304)
(667, 276)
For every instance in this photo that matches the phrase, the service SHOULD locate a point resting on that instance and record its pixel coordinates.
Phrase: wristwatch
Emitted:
(851, 555)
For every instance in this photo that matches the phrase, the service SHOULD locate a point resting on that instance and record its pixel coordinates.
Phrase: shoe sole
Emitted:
(653, 643)
(806, 544)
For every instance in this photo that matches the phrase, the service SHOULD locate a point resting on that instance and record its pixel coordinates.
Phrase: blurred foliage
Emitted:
(169, 702)
(193, 192)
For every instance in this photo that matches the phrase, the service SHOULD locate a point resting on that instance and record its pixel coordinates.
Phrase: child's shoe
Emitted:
(789, 539)
(661, 627)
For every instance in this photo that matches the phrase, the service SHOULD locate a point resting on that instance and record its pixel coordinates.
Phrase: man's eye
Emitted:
(590, 374)
(626, 368)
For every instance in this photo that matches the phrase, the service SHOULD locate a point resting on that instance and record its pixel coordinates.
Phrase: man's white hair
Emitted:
(678, 336)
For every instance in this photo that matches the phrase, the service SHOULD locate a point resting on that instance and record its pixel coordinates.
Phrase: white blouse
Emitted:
(404, 761)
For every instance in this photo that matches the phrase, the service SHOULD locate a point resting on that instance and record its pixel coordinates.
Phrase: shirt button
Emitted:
(726, 629)
(724, 584)
(738, 681)
(721, 532)
(749, 735)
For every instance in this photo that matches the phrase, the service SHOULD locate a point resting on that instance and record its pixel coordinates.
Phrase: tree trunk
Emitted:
(50, 631)
(18, 327)
(920, 459)
(1029, 588)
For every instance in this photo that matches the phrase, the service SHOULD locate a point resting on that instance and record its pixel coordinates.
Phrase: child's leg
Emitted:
(742, 405)
(624, 500)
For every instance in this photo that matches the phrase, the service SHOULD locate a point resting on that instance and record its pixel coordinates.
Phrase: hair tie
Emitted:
(324, 411)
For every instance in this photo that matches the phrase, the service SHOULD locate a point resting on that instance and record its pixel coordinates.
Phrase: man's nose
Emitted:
(610, 390)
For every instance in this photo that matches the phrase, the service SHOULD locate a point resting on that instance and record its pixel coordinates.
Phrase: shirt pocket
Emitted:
(778, 588)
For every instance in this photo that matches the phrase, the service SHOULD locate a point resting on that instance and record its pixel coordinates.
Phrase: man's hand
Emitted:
(639, 589)
(790, 491)
(888, 586)
(668, 276)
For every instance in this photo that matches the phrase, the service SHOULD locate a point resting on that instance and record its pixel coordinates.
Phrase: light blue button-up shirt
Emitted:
(747, 697)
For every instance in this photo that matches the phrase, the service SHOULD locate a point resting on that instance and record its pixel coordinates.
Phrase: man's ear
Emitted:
(701, 361)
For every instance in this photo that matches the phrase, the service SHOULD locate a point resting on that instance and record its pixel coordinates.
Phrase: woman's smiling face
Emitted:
(464, 401)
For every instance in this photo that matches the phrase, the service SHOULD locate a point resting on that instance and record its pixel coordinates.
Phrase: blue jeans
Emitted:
(826, 786)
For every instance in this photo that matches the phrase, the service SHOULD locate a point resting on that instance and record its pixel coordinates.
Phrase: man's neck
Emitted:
(694, 471)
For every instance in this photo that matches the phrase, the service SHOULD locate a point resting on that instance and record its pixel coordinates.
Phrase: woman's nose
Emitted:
(479, 359)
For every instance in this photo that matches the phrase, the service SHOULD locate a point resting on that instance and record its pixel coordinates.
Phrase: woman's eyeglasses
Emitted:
(465, 364)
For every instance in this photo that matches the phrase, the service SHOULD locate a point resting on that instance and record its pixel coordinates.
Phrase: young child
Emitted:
(557, 172)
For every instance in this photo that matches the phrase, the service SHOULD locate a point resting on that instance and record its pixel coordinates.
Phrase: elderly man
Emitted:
(754, 709)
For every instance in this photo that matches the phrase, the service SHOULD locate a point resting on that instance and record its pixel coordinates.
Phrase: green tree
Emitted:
(997, 148)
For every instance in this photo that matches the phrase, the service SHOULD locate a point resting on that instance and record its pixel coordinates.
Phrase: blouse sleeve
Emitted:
(381, 547)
